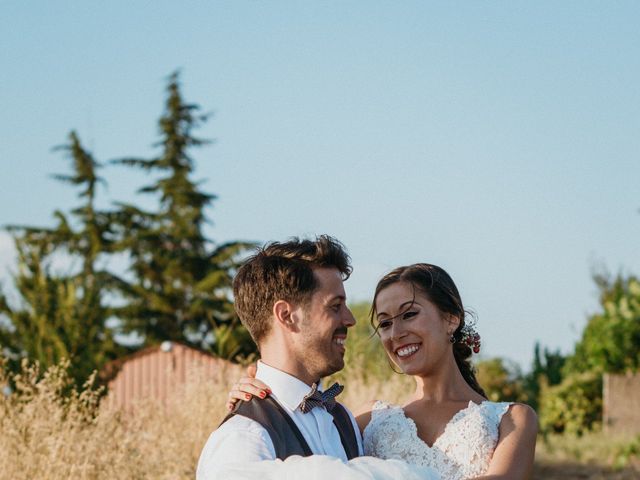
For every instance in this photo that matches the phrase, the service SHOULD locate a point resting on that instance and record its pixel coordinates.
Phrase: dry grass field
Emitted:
(594, 457)
(45, 435)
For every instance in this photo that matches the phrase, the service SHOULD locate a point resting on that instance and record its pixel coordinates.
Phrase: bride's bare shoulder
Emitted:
(522, 417)
(363, 414)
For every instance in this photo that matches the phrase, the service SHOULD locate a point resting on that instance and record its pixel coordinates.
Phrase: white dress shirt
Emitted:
(241, 439)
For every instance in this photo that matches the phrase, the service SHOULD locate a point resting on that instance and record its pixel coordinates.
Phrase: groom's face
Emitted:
(323, 326)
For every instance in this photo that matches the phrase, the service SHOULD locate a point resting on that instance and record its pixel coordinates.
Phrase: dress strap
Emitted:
(380, 405)
(496, 410)
(382, 408)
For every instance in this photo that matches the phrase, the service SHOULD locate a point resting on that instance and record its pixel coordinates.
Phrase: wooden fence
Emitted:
(621, 404)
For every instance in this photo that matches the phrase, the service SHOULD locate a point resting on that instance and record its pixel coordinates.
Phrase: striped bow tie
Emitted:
(316, 399)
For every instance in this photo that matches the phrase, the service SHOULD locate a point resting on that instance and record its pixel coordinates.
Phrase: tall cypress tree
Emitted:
(181, 279)
(63, 315)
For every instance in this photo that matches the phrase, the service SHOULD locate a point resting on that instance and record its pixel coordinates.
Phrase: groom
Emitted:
(290, 297)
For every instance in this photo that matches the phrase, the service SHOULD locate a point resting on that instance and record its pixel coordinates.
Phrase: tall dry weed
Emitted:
(49, 430)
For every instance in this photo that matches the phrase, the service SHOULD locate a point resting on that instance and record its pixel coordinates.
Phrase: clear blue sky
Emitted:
(497, 139)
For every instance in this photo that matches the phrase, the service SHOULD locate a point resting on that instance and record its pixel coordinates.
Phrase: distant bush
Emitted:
(501, 380)
(574, 406)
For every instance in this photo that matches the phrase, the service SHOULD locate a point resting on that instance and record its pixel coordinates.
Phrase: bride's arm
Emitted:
(513, 456)
(247, 387)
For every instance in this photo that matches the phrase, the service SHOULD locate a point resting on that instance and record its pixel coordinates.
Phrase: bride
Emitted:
(446, 424)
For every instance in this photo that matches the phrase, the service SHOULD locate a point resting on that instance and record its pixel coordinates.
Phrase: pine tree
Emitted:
(63, 315)
(181, 279)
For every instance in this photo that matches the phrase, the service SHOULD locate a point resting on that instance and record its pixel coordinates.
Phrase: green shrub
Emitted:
(574, 406)
(628, 454)
(611, 339)
(501, 380)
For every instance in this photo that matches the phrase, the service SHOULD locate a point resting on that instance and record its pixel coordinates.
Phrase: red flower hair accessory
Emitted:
(470, 337)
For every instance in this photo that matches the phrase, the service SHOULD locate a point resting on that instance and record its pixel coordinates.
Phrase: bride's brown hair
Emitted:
(440, 290)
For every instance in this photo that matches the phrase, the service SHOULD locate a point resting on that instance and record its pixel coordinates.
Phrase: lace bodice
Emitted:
(463, 450)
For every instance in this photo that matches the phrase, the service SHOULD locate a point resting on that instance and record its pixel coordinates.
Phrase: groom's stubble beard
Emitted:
(335, 361)
(318, 354)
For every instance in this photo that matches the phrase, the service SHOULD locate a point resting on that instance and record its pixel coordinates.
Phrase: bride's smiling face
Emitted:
(414, 333)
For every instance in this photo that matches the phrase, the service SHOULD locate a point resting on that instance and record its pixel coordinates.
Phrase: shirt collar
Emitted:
(288, 389)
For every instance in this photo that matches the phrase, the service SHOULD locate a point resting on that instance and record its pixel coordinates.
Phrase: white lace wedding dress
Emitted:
(463, 450)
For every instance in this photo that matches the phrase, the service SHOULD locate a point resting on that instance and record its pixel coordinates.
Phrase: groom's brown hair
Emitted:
(283, 271)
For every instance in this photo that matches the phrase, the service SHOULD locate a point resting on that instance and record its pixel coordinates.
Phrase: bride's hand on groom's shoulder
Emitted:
(247, 387)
